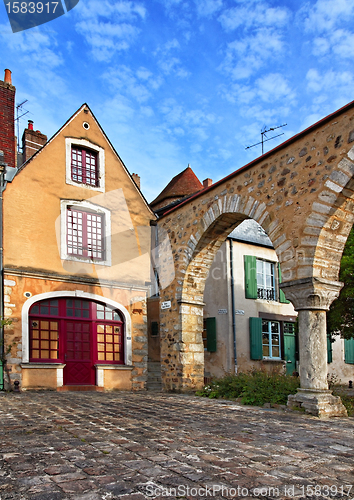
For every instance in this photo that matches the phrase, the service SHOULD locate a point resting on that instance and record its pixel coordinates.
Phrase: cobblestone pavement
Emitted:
(103, 446)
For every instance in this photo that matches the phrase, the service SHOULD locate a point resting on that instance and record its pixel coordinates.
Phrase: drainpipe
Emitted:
(233, 301)
(2, 347)
(6, 175)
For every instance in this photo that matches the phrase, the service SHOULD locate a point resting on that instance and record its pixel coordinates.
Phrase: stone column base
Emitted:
(318, 402)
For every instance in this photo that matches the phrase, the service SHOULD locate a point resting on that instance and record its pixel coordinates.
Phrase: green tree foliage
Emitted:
(340, 317)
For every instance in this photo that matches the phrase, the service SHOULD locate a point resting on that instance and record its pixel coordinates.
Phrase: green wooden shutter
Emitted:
(211, 334)
(250, 277)
(329, 349)
(282, 298)
(349, 351)
(256, 338)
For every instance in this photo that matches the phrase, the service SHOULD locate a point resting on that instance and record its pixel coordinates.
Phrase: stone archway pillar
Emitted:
(182, 349)
(312, 297)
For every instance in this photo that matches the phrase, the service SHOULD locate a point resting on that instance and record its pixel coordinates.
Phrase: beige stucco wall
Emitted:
(41, 378)
(33, 237)
(217, 297)
(342, 371)
(32, 208)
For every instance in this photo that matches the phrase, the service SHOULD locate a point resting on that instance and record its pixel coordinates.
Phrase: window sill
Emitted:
(36, 365)
(113, 367)
(273, 360)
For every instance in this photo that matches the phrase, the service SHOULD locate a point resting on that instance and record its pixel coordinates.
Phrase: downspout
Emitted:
(233, 301)
(2, 347)
(7, 174)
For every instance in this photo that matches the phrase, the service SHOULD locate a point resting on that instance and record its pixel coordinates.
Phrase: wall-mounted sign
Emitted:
(222, 311)
(239, 311)
(166, 304)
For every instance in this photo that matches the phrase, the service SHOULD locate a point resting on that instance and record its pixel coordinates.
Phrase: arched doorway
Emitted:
(78, 332)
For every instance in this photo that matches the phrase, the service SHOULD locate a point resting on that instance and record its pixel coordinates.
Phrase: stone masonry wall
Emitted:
(301, 193)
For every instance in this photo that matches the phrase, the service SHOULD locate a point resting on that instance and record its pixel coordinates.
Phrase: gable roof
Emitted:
(183, 184)
(84, 107)
(249, 231)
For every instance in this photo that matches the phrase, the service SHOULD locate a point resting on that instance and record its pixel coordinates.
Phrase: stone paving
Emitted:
(104, 446)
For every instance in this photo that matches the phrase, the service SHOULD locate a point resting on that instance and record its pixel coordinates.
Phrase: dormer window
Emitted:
(85, 164)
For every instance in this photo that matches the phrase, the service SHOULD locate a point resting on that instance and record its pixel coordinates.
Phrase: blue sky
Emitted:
(174, 82)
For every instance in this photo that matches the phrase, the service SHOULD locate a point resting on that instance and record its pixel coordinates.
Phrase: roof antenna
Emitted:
(263, 134)
(18, 110)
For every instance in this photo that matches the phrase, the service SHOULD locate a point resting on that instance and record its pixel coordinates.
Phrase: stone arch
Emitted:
(193, 261)
(302, 195)
(317, 251)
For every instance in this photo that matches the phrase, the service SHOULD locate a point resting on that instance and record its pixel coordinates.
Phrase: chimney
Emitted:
(7, 117)
(207, 183)
(136, 179)
(32, 141)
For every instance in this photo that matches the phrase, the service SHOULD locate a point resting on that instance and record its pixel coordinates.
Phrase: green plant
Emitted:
(347, 400)
(253, 388)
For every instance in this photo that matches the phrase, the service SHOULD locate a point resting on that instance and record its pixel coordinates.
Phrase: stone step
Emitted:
(65, 388)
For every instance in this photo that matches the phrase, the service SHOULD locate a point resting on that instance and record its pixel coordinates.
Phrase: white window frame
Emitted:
(69, 142)
(85, 205)
(263, 285)
(269, 322)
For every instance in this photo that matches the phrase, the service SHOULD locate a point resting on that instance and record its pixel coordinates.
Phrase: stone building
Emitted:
(76, 260)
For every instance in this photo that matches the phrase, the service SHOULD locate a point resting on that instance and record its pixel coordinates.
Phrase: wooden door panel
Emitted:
(79, 369)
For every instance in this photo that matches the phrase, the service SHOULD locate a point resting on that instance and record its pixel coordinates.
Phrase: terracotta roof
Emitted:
(183, 184)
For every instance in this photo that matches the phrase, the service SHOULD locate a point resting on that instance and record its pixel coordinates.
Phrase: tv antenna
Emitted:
(18, 116)
(263, 135)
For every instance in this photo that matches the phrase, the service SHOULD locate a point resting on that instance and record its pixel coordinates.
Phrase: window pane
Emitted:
(275, 339)
(266, 351)
(275, 327)
(275, 352)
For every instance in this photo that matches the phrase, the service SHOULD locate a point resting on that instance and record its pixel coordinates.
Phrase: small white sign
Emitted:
(166, 304)
(239, 311)
(222, 311)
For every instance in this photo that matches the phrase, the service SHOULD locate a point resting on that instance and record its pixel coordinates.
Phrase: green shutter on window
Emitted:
(282, 298)
(256, 338)
(349, 351)
(250, 277)
(210, 324)
(329, 349)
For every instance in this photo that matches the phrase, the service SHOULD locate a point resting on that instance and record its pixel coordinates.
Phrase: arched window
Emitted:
(78, 332)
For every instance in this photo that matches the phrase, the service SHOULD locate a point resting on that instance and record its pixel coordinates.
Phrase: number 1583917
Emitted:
(31, 7)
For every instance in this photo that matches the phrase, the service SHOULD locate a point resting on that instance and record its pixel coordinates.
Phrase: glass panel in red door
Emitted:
(79, 369)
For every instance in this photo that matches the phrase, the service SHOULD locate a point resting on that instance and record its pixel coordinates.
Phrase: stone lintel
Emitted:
(189, 302)
(311, 293)
(320, 403)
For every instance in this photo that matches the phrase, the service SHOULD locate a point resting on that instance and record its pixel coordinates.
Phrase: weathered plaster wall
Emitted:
(217, 296)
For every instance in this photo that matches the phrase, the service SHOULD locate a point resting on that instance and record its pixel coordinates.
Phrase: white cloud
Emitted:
(124, 10)
(37, 45)
(169, 63)
(330, 80)
(137, 85)
(340, 42)
(253, 16)
(206, 8)
(246, 56)
(274, 87)
(108, 26)
(324, 15)
(267, 90)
